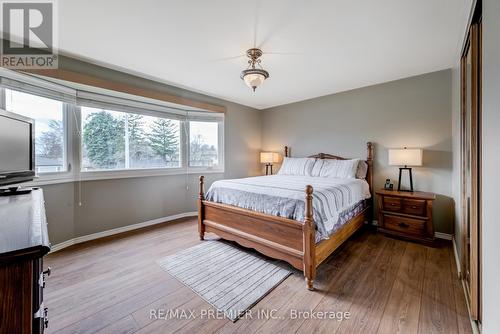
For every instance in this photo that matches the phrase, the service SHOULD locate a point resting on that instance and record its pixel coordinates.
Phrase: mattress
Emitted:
(335, 200)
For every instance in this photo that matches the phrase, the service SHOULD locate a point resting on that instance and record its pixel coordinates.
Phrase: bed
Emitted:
(300, 220)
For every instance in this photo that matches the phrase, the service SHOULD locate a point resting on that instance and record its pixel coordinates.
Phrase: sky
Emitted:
(208, 131)
(39, 108)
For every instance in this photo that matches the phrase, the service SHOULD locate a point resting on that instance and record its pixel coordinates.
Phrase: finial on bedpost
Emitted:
(201, 209)
(287, 151)
(369, 151)
(309, 232)
(309, 192)
(201, 195)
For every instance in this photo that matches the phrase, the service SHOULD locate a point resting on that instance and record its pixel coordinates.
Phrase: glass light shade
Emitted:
(254, 80)
(269, 157)
(405, 157)
(254, 77)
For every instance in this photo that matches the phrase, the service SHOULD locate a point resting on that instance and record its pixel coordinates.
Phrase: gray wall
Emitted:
(491, 162)
(59, 206)
(107, 204)
(412, 112)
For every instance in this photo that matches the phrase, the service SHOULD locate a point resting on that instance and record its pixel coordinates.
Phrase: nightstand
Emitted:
(406, 215)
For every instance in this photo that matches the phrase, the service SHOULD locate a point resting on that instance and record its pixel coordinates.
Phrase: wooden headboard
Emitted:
(369, 161)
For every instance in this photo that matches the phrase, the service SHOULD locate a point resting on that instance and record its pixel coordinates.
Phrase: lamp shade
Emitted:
(269, 157)
(254, 77)
(405, 156)
(254, 80)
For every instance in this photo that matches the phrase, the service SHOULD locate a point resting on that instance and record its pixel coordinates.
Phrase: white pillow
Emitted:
(297, 166)
(316, 170)
(344, 169)
(362, 170)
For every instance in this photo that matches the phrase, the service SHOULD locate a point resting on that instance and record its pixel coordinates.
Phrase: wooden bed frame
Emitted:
(277, 237)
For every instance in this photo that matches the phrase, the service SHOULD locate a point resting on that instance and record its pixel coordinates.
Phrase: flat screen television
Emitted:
(17, 148)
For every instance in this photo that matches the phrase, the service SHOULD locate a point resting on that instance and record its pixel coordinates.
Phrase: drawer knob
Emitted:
(403, 225)
(393, 204)
(413, 206)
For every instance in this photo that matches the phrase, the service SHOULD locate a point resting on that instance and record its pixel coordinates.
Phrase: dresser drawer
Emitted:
(414, 207)
(392, 203)
(408, 226)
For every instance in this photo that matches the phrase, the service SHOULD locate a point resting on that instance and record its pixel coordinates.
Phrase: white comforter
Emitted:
(284, 196)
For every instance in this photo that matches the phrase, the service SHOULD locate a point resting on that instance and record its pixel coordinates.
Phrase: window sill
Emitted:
(49, 178)
(112, 175)
(122, 174)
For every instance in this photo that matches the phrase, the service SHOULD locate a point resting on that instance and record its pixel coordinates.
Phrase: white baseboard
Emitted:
(62, 245)
(457, 258)
(118, 230)
(444, 236)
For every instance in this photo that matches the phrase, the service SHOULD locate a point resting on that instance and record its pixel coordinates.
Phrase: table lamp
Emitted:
(405, 157)
(269, 158)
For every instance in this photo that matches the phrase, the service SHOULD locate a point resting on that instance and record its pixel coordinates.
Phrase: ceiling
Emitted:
(313, 47)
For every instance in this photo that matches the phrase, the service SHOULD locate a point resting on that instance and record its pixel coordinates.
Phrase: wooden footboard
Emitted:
(280, 239)
(277, 237)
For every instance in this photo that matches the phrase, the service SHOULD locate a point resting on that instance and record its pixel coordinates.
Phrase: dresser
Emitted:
(406, 215)
(23, 243)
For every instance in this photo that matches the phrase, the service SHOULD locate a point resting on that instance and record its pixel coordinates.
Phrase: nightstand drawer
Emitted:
(392, 203)
(406, 215)
(404, 225)
(414, 207)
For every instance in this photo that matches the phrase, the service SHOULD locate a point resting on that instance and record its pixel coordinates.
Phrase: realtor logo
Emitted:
(29, 39)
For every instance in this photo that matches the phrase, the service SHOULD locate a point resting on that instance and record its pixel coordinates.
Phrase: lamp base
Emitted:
(269, 166)
(411, 179)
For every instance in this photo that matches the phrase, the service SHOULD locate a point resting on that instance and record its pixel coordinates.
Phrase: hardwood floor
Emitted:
(385, 285)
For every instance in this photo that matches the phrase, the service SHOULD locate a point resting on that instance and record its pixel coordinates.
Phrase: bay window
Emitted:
(111, 135)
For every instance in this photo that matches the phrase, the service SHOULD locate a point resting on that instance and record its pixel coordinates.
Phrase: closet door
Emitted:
(471, 163)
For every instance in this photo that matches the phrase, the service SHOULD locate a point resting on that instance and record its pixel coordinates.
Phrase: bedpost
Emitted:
(287, 151)
(369, 177)
(309, 232)
(369, 161)
(201, 209)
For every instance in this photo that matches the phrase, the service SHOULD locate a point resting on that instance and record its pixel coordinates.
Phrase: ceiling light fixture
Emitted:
(254, 77)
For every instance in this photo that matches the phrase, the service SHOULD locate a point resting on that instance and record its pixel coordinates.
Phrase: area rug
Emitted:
(230, 278)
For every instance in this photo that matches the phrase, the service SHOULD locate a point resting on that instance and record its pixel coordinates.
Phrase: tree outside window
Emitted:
(117, 140)
(203, 144)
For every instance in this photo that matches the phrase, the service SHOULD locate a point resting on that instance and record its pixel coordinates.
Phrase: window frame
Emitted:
(73, 142)
(67, 174)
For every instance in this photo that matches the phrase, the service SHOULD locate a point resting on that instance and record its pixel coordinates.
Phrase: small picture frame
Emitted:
(388, 185)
